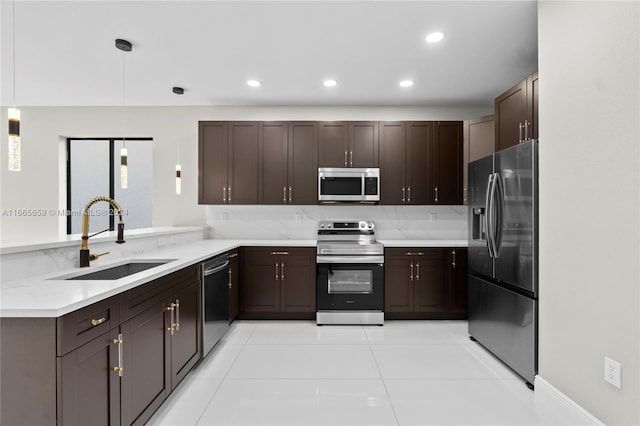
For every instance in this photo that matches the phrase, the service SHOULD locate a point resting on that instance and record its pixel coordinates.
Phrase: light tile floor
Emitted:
(404, 373)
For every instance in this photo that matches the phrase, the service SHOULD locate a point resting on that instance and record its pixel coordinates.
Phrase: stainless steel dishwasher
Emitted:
(215, 301)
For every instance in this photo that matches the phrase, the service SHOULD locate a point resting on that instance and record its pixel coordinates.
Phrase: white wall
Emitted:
(589, 54)
(41, 183)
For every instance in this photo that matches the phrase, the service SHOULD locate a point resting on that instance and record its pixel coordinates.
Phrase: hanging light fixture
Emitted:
(178, 91)
(124, 46)
(14, 113)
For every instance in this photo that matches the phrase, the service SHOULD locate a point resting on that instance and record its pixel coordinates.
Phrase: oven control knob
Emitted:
(322, 225)
(370, 225)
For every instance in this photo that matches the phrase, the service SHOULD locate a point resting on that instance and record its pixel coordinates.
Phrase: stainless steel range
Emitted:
(350, 274)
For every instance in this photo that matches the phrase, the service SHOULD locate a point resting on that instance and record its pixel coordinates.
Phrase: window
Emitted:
(93, 169)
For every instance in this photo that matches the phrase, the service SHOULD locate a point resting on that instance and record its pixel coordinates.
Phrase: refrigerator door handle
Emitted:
(488, 215)
(498, 197)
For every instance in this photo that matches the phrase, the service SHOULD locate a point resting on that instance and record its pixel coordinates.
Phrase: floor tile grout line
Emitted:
(384, 385)
(225, 375)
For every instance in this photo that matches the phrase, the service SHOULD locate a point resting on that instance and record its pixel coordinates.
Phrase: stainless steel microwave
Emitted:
(348, 185)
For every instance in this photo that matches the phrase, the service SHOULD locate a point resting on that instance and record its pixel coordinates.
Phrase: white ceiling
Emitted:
(65, 53)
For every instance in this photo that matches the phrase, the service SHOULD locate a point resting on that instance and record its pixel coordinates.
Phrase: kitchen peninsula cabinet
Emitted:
(278, 282)
(287, 163)
(228, 162)
(516, 113)
(110, 363)
(421, 283)
(348, 144)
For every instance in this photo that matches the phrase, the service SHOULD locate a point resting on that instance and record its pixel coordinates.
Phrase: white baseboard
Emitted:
(555, 404)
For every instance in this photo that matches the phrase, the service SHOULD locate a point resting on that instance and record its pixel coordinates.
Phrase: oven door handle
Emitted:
(213, 270)
(350, 259)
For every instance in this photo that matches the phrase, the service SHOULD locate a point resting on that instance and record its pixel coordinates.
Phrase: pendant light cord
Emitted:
(13, 12)
(124, 113)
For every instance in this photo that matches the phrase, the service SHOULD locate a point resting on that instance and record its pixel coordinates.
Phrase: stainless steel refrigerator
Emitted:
(503, 256)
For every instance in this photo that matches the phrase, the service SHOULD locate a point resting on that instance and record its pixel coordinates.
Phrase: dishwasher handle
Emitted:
(213, 270)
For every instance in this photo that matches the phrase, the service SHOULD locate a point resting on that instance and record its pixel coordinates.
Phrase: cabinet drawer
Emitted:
(85, 324)
(140, 298)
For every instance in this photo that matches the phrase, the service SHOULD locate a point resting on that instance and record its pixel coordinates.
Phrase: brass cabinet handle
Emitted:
(282, 271)
(229, 194)
(464, 198)
(453, 259)
(345, 158)
(290, 194)
(283, 253)
(284, 195)
(230, 271)
(95, 322)
(276, 271)
(232, 255)
(409, 197)
(119, 368)
(436, 194)
(414, 253)
(417, 271)
(224, 194)
(171, 308)
(403, 197)
(411, 271)
(527, 124)
(351, 161)
(520, 132)
(177, 324)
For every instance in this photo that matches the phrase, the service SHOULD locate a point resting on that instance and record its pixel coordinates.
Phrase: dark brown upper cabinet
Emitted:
(479, 141)
(348, 144)
(516, 113)
(446, 162)
(421, 162)
(287, 162)
(228, 162)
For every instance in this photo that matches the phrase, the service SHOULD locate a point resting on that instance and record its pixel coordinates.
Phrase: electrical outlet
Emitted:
(612, 372)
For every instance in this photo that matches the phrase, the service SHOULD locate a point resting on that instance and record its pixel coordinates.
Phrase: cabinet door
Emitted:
(88, 386)
(419, 183)
(363, 144)
(212, 162)
(146, 380)
(446, 160)
(479, 141)
(272, 163)
(429, 281)
(234, 290)
(532, 105)
(456, 262)
(510, 113)
(298, 280)
(398, 282)
(185, 348)
(393, 160)
(303, 163)
(243, 163)
(334, 144)
(260, 280)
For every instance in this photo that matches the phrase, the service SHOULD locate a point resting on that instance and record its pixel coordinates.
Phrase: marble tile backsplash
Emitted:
(300, 222)
(38, 262)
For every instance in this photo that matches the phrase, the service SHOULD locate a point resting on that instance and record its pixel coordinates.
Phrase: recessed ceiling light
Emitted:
(406, 83)
(434, 37)
(330, 83)
(254, 83)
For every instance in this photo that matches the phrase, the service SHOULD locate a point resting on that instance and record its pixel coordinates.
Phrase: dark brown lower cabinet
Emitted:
(118, 377)
(234, 285)
(422, 283)
(278, 282)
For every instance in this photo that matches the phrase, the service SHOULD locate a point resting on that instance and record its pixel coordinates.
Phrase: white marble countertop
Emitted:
(51, 295)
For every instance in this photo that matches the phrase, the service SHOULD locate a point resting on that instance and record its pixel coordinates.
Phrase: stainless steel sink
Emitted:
(116, 272)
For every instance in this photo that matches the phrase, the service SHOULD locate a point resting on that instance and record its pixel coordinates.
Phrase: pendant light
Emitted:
(14, 113)
(124, 46)
(178, 91)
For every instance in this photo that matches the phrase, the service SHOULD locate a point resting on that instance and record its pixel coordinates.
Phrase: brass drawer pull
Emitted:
(232, 255)
(95, 322)
(414, 253)
(279, 253)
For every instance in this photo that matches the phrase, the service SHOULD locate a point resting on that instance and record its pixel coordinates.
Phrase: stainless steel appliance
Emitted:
(350, 274)
(503, 256)
(348, 185)
(215, 301)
